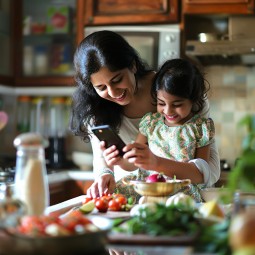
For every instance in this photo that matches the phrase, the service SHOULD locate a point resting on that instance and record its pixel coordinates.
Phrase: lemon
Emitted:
(211, 208)
(88, 207)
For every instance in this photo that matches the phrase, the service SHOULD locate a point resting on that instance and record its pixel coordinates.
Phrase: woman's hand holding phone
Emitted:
(111, 154)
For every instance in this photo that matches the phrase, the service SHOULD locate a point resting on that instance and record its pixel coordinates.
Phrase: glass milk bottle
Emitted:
(31, 183)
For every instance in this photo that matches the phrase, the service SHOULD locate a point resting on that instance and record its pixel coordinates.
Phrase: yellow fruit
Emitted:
(211, 208)
(88, 207)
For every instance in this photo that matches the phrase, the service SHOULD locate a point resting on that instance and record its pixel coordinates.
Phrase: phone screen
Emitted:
(107, 134)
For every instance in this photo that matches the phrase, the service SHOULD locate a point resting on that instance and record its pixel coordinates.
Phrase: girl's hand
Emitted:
(141, 156)
(111, 155)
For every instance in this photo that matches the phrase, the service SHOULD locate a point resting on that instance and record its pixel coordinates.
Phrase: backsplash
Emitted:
(231, 98)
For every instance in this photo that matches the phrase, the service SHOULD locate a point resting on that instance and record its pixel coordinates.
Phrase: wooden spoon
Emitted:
(3, 119)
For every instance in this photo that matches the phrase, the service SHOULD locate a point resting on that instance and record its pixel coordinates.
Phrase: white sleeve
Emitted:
(210, 170)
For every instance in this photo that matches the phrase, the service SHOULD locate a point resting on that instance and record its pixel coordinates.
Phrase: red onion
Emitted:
(155, 178)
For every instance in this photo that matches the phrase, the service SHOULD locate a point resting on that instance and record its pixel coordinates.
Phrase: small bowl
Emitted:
(83, 160)
(159, 189)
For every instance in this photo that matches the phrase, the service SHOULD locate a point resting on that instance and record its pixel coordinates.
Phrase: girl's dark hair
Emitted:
(99, 49)
(181, 78)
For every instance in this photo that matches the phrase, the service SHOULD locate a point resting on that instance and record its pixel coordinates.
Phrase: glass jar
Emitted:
(10, 209)
(31, 183)
(37, 115)
(243, 202)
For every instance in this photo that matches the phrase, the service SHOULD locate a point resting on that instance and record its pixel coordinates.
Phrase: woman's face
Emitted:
(118, 87)
(176, 110)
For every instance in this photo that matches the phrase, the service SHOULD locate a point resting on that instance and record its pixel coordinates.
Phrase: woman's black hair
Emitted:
(100, 49)
(181, 78)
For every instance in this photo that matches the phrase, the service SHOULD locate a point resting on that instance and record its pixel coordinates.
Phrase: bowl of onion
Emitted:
(157, 185)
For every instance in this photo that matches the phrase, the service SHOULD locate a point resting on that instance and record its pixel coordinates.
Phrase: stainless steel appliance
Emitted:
(155, 43)
(237, 47)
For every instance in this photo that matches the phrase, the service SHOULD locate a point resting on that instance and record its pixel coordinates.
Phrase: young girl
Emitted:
(176, 132)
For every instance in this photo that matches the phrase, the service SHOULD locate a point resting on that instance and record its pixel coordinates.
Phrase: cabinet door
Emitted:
(47, 42)
(218, 6)
(6, 41)
(36, 46)
(129, 12)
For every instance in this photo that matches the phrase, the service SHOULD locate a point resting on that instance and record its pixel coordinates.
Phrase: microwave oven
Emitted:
(154, 43)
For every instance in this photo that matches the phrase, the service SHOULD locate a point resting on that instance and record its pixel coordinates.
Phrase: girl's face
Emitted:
(176, 110)
(118, 87)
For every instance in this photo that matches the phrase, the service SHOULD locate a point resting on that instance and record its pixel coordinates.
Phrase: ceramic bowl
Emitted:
(86, 243)
(83, 160)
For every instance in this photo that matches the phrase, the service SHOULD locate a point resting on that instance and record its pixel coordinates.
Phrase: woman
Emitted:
(113, 87)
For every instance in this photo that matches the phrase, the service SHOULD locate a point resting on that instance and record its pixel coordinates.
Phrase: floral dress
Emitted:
(176, 143)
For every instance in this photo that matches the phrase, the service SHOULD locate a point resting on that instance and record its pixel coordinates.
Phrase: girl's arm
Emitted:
(141, 156)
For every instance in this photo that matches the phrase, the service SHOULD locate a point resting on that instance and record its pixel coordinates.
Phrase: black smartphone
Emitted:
(107, 134)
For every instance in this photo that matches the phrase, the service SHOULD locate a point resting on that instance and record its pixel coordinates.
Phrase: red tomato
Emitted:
(121, 200)
(107, 197)
(86, 200)
(101, 204)
(32, 225)
(49, 219)
(69, 223)
(114, 205)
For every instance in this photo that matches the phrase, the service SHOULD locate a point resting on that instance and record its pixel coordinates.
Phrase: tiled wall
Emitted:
(232, 96)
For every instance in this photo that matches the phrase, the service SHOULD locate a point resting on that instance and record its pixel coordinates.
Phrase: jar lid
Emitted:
(30, 139)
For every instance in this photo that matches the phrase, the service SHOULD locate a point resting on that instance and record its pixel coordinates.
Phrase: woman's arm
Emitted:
(211, 169)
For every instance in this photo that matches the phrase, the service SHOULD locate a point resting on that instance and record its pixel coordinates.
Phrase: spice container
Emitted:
(31, 184)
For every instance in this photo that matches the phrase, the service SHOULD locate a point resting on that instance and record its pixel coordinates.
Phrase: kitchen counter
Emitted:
(65, 175)
(126, 248)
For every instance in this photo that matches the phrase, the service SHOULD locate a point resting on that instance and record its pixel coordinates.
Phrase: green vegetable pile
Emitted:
(179, 220)
(173, 220)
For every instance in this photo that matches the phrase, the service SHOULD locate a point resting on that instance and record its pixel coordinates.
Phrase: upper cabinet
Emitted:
(218, 6)
(38, 40)
(102, 12)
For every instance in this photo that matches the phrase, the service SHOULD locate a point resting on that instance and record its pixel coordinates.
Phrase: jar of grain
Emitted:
(31, 183)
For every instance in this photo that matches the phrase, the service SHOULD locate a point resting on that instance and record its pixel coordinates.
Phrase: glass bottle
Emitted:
(31, 183)
(23, 114)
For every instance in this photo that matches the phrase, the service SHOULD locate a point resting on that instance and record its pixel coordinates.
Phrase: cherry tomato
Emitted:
(114, 205)
(101, 204)
(86, 200)
(31, 225)
(107, 197)
(121, 200)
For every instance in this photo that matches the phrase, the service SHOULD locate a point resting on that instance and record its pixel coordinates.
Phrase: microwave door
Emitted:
(147, 45)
